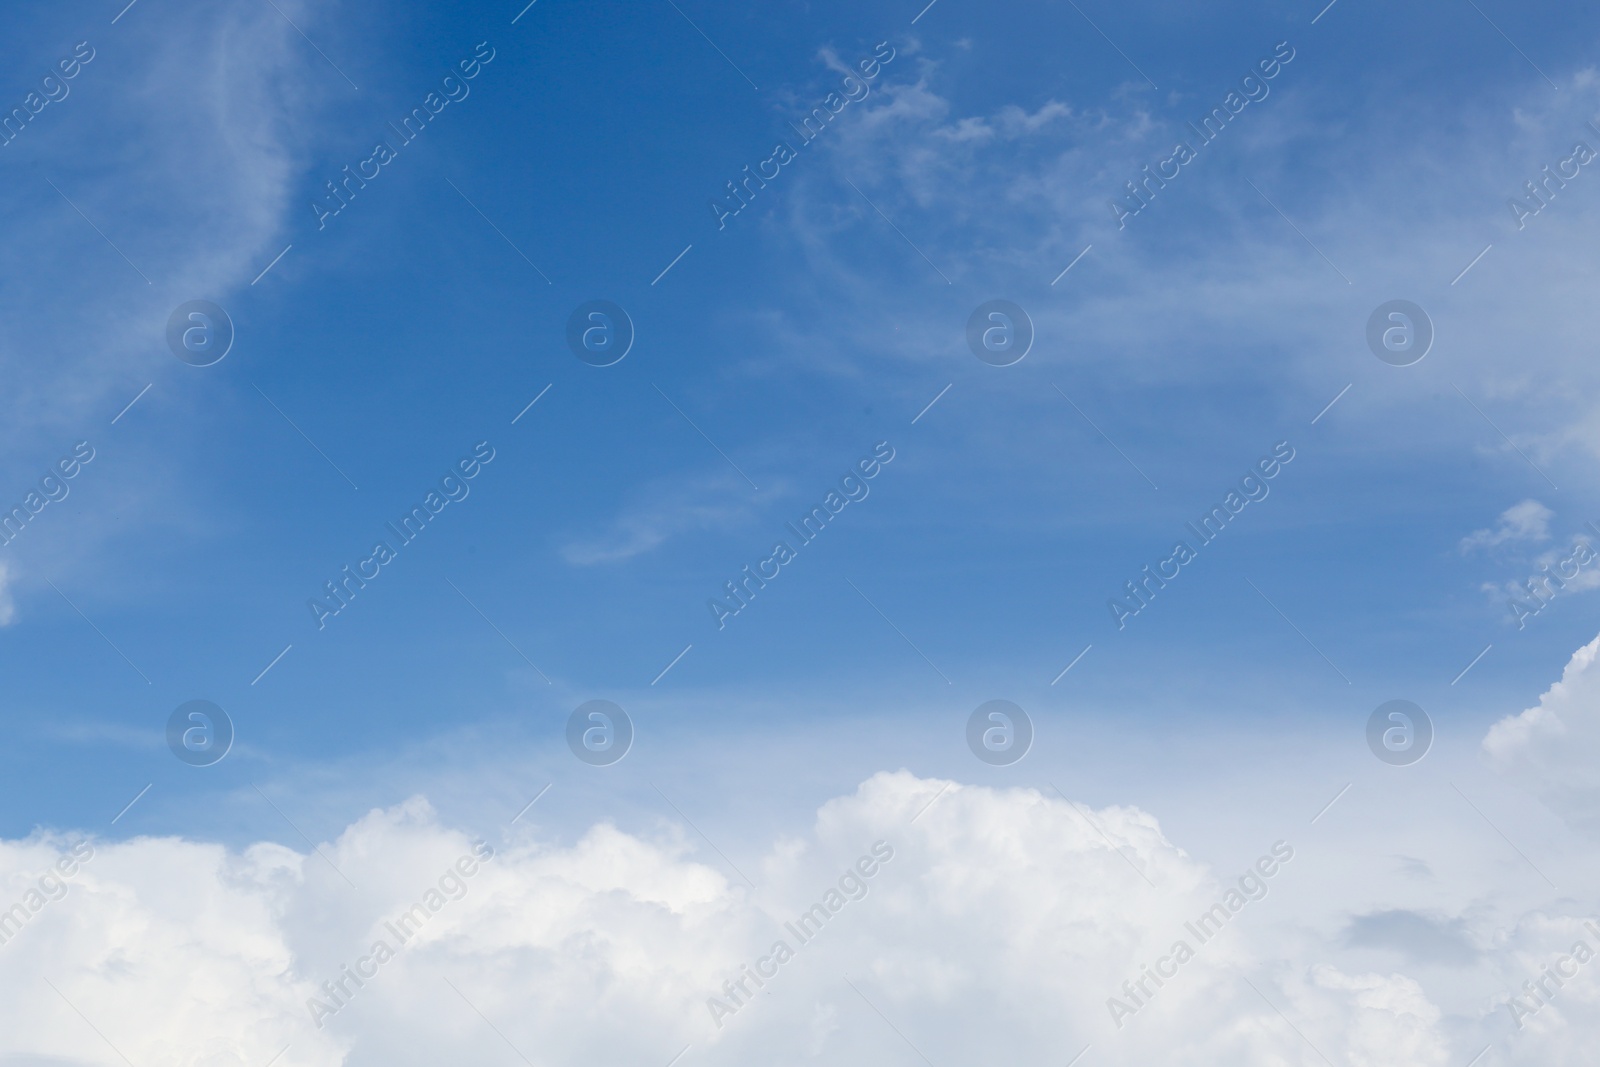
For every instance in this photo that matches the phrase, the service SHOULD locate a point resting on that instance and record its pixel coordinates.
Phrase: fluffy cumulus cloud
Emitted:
(1548, 963)
(160, 950)
(1553, 746)
(919, 919)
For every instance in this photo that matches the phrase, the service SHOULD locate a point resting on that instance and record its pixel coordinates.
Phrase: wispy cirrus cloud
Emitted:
(1526, 521)
(666, 509)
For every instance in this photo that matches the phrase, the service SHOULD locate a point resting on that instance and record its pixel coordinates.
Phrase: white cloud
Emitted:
(995, 932)
(663, 510)
(1525, 521)
(1554, 747)
(989, 191)
(180, 141)
(186, 166)
(174, 950)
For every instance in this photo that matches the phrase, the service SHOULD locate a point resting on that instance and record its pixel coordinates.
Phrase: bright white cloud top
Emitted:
(916, 921)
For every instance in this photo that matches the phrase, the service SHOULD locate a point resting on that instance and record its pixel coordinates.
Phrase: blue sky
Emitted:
(798, 336)
(377, 347)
